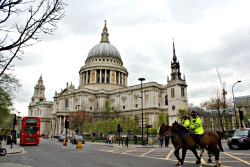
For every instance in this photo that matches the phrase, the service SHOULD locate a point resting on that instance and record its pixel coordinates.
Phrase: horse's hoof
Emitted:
(198, 162)
(209, 160)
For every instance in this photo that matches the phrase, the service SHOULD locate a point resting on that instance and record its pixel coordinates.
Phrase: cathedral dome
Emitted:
(104, 48)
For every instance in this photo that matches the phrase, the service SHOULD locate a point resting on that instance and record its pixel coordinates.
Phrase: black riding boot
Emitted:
(197, 140)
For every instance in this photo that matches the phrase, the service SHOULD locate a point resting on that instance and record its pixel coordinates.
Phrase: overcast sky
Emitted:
(208, 35)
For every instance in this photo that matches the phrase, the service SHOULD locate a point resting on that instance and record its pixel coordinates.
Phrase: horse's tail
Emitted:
(219, 142)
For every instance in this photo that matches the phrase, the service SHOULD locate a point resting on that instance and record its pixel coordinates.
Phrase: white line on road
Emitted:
(241, 160)
(147, 152)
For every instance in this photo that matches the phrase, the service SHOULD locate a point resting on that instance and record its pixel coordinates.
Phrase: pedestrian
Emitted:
(107, 139)
(166, 138)
(126, 142)
(110, 139)
(135, 139)
(161, 141)
(196, 126)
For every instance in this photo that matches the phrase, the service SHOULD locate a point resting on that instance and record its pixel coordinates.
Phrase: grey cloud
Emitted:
(192, 11)
(28, 59)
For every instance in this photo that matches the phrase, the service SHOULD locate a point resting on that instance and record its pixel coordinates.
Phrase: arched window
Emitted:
(166, 100)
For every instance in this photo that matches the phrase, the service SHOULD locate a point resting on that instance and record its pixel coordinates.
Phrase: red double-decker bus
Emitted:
(30, 134)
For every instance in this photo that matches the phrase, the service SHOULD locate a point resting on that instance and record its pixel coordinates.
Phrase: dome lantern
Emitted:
(104, 48)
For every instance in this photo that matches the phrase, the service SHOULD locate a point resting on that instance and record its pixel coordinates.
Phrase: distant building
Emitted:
(103, 77)
(242, 101)
(40, 107)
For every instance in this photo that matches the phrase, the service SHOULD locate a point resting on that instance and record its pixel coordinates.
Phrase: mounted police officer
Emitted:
(186, 122)
(196, 126)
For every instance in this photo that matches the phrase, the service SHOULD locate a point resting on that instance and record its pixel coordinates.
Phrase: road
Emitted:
(51, 153)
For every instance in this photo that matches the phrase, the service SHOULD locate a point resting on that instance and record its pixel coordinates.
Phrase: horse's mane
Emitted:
(166, 126)
(181, 128)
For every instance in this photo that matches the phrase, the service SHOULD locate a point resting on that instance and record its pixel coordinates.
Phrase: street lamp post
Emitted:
(236, 122)
(142, 141)
(78, 128)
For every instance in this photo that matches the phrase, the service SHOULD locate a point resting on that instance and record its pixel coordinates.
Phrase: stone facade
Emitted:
(103, 77)
(40, 107)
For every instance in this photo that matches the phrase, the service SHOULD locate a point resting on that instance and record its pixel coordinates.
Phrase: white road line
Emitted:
(147, 152)
(241, 160)
(169, 154)
(128, 151)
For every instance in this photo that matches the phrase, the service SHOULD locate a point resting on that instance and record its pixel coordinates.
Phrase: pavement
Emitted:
(16, 148)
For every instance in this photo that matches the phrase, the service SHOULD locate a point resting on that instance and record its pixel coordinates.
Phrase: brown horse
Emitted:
(210, 140)
(180, 142)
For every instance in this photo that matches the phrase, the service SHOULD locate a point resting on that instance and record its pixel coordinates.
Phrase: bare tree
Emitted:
(21, 22)
(216, 102)
(77, 120)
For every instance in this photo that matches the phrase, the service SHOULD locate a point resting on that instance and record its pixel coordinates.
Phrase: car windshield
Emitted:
(240, 132)
(79, 137)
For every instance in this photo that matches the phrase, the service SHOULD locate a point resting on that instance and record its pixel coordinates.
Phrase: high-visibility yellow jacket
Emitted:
(196, 125)
(186, 123)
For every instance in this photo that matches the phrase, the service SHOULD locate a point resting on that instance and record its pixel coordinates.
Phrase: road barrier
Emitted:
(79, 145)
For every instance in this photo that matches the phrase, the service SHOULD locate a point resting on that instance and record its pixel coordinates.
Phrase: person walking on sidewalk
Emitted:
(126, 142)
(135, 139)
(166, 138)
(161, 139)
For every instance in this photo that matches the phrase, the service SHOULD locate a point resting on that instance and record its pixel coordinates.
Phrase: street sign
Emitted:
(149, 126)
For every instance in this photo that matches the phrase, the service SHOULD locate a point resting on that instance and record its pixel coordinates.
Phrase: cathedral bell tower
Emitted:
(177, 90)
(39, 92)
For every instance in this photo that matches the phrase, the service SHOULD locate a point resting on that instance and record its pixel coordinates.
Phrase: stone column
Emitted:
(64, 130)
(60, 124)
(87, 76)
(119, 77)
(122, 79)
(105, 77)
(84, 77)
(100, 76)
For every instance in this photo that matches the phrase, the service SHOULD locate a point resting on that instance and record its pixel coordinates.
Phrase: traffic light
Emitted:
(67, 123)
(241, 115)
(15, 121)
(118, 128)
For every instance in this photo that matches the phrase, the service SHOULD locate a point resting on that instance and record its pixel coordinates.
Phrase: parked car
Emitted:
(76, 138)
(61, 138)
(46, 136)
(240, 139)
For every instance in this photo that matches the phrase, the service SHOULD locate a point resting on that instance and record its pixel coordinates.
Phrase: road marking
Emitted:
(237, 158)
(128, 151)
(171, 151)
(169, 154)
(203, 161)
(112, 150)
(147, 152)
